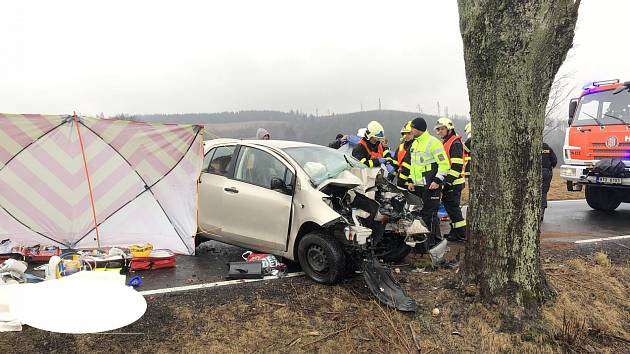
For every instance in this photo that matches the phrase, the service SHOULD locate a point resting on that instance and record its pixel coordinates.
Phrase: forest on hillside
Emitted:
(295, 125)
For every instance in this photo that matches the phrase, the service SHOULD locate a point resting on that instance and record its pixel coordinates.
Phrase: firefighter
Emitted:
(429, 167)
(339, 141)
(402, 157)
(467, 149)
(549, 162)
(370, 150)
(454, 180)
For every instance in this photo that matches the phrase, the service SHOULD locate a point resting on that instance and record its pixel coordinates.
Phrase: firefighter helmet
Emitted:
(406, 128)
(444, 122)
(375, 130)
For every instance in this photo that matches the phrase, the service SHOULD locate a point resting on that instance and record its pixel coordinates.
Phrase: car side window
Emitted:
(258, 167)
(206, 160)
(221, 160)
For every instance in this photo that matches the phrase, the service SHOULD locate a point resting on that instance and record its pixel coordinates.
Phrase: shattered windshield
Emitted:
(321, 163)
(606, 107)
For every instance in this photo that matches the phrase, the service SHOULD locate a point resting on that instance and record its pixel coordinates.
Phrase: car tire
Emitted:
(321, 258)
(601, 198)
(395, 248)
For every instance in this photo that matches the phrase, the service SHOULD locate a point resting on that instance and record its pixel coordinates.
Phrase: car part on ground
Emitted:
(385, 288)
(245, 270)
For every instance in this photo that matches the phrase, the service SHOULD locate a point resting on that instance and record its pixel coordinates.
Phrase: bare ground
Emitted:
(590, 314)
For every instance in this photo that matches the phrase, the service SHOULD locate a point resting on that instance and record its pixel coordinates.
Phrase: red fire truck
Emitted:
(597, 144)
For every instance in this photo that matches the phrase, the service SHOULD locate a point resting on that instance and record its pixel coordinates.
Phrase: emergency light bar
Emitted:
(605, 82)
(597, 86)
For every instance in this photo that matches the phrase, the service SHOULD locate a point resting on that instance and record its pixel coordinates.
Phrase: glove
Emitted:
(353, 139)
(382, 160)
(389, 168)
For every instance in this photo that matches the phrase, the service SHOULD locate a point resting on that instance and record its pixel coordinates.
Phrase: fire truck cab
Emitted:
(597, 144)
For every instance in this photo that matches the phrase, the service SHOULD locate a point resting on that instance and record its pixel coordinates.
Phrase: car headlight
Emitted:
(568, 172)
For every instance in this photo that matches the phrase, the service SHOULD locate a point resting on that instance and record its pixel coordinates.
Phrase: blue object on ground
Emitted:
(135, 281)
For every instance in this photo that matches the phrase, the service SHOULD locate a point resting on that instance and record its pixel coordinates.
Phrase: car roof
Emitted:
(278, 144)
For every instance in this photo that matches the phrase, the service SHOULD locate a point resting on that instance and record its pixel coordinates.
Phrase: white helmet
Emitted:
(375, 130)
(445, 122)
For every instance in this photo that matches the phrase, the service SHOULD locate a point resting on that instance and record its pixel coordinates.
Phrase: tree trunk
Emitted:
(513, 50)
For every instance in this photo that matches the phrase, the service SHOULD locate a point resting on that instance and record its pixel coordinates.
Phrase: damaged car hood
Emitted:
(348, 179)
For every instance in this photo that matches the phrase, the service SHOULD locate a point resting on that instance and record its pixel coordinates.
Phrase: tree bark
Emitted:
(512, 50)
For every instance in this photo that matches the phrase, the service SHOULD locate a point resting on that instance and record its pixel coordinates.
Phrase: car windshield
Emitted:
(605, 107)
(321, 163)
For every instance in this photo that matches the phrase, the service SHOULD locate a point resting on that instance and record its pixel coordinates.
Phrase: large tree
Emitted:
(512, 50)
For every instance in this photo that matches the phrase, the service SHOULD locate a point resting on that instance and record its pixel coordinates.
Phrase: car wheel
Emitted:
(392, 248)
(322, 258)
(600, 198)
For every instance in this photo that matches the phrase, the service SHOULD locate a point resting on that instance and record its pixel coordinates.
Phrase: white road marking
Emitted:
(603, 239)
(215, 284)
(566, 200)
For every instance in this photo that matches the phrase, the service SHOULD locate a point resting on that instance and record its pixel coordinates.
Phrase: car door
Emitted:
(218, 166)
(253, 213)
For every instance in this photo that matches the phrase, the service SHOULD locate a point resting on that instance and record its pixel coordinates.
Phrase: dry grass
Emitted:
(590, 314)
(557, 191)
(601, 258)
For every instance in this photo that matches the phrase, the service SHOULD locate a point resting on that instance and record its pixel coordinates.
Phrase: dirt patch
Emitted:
(590, 314)
(557, 191)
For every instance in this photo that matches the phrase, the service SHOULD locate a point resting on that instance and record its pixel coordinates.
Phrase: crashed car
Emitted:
(313, 205)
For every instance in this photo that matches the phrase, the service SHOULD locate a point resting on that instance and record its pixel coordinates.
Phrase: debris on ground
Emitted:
(269, 263)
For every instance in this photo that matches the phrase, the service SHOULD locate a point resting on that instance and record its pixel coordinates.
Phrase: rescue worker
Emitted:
(454, 180)
(429, 167)
(402, 157)
(339, 141)
(467, 149)
(370, 150)
(262, 134)
(549, 162)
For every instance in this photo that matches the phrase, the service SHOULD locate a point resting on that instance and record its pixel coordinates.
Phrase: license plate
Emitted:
(608, 180)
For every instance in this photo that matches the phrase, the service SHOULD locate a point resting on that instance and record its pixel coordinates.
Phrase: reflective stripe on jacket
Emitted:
(369, 154)
(456, 154)
(429, 162)
(402, 161)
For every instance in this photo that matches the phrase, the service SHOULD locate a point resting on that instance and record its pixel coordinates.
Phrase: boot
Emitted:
(456, 235)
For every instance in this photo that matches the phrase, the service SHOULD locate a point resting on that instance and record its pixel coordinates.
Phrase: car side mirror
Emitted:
(278, 185)
(572, 108)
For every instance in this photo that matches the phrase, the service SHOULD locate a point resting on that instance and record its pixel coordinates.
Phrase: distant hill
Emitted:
(295, 125)
(309, 128)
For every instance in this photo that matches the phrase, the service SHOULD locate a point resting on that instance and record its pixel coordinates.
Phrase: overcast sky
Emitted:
(210, 56)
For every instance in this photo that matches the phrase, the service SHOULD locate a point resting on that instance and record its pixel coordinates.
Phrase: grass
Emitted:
(590, 314)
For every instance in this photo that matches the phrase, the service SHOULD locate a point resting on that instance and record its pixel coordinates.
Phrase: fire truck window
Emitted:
(588, 109)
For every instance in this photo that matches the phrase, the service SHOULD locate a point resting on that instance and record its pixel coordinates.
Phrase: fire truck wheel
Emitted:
(602, 198)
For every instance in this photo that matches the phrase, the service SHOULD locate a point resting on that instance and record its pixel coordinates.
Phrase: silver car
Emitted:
(310, 204)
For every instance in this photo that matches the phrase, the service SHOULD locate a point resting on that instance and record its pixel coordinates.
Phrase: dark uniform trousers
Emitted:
(547, 174)
(451, 197)
(430, 205)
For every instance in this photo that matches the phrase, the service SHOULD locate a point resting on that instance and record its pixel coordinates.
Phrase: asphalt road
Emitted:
(572, 220)
(565, 222)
